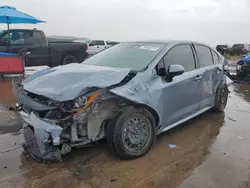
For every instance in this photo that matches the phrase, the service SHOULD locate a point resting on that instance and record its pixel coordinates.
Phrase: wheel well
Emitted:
(121, 104)
(153, 112)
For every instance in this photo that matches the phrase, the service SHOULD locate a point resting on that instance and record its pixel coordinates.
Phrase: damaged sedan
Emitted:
(127, 94)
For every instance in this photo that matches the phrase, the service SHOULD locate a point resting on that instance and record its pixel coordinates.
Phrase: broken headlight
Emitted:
(84, 101)
(80, 101)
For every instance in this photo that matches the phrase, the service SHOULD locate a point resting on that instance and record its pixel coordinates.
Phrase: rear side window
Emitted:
(96, 43)
(204, 55)
(215, 57)
(180, 55)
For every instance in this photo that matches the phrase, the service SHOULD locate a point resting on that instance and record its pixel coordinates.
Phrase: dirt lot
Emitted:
(212, 151)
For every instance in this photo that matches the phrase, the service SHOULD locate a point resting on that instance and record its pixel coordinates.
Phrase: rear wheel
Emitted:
(221, 97)
(131, 133)
(69, 59)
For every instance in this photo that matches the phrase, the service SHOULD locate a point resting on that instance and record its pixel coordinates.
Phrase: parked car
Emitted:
(41, 52)
(127, 94)
(239, 49)
(222, 48)
(96, 46)
(243, 66)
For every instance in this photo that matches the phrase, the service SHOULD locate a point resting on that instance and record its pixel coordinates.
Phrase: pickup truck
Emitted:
(95, 46)
(40, 51)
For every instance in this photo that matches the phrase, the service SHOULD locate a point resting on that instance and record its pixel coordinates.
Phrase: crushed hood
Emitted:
(67, 82)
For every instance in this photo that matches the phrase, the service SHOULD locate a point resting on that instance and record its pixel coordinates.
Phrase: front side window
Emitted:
(204, 55)
(135, 56)
(180, 55)
(15, 37)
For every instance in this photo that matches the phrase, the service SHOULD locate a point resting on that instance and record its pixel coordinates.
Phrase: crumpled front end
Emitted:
(53, 128)
(43, 138)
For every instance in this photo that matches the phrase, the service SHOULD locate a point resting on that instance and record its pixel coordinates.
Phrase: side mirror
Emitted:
(174, 70)
(91, 44)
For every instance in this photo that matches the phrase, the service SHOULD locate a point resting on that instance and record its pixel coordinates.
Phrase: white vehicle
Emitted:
(96, 46)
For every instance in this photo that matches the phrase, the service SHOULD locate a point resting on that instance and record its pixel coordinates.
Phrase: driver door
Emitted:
(180, 96)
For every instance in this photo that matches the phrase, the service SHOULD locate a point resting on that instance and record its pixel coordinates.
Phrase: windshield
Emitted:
(135, 56)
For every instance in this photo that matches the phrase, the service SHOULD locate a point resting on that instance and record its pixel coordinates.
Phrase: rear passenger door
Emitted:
(209, 64)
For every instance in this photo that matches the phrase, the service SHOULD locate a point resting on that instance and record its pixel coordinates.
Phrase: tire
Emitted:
(121, 138)
(221, 97)
(69, 59)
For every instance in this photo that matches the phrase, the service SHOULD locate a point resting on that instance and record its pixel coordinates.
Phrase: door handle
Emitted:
(198, 77)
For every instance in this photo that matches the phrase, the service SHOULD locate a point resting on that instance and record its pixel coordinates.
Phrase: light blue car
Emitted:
(127, 94)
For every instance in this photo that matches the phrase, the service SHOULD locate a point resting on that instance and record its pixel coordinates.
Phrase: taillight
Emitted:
(86, 47)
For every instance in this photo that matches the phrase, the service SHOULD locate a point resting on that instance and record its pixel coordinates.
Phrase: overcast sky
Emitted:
(210, 21)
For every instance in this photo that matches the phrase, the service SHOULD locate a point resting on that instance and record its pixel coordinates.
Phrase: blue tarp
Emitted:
(7, 54)
(10, 15)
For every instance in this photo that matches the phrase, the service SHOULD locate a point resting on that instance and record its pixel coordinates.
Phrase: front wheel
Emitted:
(131, 133)
(221, 97)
